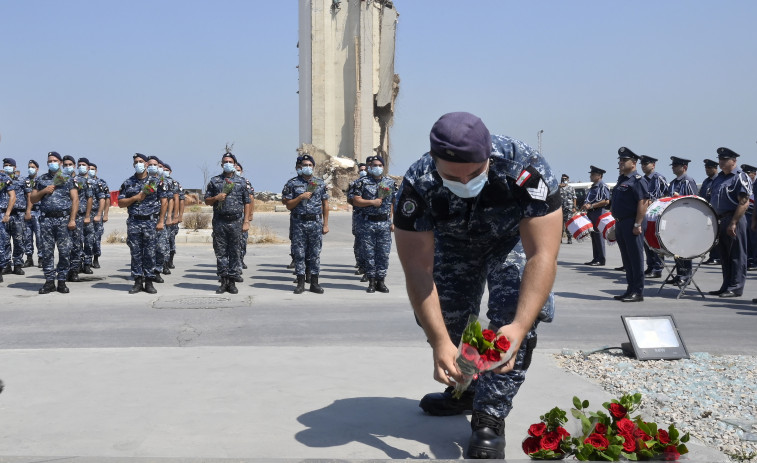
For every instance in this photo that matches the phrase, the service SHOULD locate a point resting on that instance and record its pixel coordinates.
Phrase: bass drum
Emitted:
(682, 226)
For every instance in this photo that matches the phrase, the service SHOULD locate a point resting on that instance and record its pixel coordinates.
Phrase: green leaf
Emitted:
(685, 438)
(577, 403)
(585, 404)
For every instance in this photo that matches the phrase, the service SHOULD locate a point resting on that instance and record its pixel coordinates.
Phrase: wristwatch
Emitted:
(636, 225)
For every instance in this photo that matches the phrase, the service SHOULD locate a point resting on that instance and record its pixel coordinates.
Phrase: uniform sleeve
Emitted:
(211, 190)
(692, 187)
(288, 191)
(325, 195)
(411, 212)
(165, 190)
(642, 189)
(539, 195)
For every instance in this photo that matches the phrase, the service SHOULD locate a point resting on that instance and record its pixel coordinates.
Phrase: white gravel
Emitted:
(713, 397)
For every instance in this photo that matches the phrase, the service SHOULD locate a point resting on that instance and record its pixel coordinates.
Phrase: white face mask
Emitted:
(9, 169)
(228, 167)
(32, 171)
(377, 170)
(92, 173)
(307, 170)
(82, 170)
(468, 190)
(363, 173)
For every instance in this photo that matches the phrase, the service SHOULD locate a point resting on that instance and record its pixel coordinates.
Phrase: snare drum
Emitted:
(606, 227)
(579, 226)
(681, 226)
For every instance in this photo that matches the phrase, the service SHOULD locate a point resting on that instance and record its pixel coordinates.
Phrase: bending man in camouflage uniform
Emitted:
(463, 211)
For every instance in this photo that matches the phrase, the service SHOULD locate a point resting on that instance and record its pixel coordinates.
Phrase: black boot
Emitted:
(488, 438)
(166, 270)
(291, 265)
(157, 278)
(443, 404)
(380, 286)
(62, 288)
(314, 286)
(222, 289)
(231, 287)
(307, 277)
(170, 260)
(87, 269)
(7, 269)
(1, 277)
(149, 288)
(49, 287)
(29, 261)
(359, 271)
(137, 285)
(236, 278)
(244, 266)
(95, 262)
(300, 284)
(371, 285)
(73, 276)
(364, 278)
(17, 270)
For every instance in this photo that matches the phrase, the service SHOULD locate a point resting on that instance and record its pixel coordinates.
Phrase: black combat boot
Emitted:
(95, 262)
(166, 270)
(157, 278)
(1, 277)
(231, 287)
(87, 269)
(380, 286)
(244, 266)
(137, 285)
(237, 278)
(300, 284)
(17, 270)
(314, 286)
(364, 278)
(307, 277)
(29, 261)
(170, 259)
(359, 271)
(73, 276)
(7, 269)
(149, 288)
(444, 404)
(371, 285)
(49, 287)
(62, 288)
(291, 265)
(224, 283)
(488, 439)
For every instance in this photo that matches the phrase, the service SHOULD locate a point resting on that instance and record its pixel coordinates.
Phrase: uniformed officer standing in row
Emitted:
(597, 199)
(751, 242)
(374, 194)
(21, 212)
(83, 217)
(251, 193)
(31, 233)
(362, 171)
(630, 198)
(711, 169)
(93, 231)
(568, 197)
(657, 185)
(177, 214)
(228, 195)
(146, 200)
(7, 200)
(307, 199)
(730, 198)
(682, 185)
(58, 201)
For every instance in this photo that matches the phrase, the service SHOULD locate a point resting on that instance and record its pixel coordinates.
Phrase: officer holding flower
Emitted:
(374, 195)
(478, 210)
(21, 212)
(7, 200)
(228, 195)
(31, 233)
(84, 224)
(146, 201)
(58, 201)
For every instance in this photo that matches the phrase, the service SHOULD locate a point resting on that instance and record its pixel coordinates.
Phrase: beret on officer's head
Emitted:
(378, 158)
(167, 167)
(565, 176)
(84, 160)
(747, 168)
(679, 161)
(10, 161)
(596, 170)
(299, 160)
(238, 163)
(361, 164)
(69, 158)
(226, 155)
(55, 155)
(460, 137)
(725, 153)
(710, 163)
(647, 159)
(369, 159)
(92, 164)
(307, 157)
(625, 153)
(140, 156)
(154, 158)
(36, 164)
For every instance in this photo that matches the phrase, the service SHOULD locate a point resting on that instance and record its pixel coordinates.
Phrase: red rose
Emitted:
(537, 430)
(502, 343)
(599, 428)
(564, 434)
(671, 453)
(493, 355)
(531, 445)
(626, 426)
(640, 434)
(663, 437)
(469, 352)
(629, 445)
(550, 441)
(618, 411)
(597, 441)
(489, 335)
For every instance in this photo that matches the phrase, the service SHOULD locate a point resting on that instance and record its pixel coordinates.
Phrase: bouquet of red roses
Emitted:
(479, 351)
(149, 188)
(548, 439)
(383, 191)
(59, 178)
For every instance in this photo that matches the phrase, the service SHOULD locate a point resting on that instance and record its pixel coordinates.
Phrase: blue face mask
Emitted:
(139, 167)
(68, 170)
(363, 173)
(92, 173)
(152, 170)
(32, 171)
(470, 189)
(229, 167)
(167, 173)
(9, 170)
(307, 171)
(160, 171)
(53, 166)
(83, 170)
(377, 170)
(299, 171)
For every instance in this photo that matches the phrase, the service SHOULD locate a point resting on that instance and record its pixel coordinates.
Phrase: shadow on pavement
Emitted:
(26, 286)
(208, 277)
(113, 287)
(366, 420)
(197, 286)
(288, 288)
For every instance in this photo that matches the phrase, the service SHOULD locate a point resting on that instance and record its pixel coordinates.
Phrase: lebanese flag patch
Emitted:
(523, 178)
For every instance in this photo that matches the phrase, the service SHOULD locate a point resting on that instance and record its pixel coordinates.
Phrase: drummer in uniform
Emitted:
(630, 198)
(657, 185)
(597, 199)
(682, 185)
(751, 240)
(730, 198)
(711, 169)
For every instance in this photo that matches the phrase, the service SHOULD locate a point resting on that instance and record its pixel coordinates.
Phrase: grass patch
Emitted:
(263, 235)
(116, 236)
(197, 220)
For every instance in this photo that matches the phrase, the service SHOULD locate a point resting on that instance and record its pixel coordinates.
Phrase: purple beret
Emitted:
(84, 160)
(55, 155)
(10, 161)
(36, 164)
(140, 156)
(92, 164)
(167, 167)
(307, 157)
(154, 158)
(229, 155)
(461, 137)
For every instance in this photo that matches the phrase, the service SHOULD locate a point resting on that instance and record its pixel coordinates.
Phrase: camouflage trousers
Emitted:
(18, 232)
(81, 244)
(461, 273)
(97, 245)
(162, 248)
(90, 238)
(5, 243)
(141, 237)
(375, 241)
(54, 230)
(31, 234)
(243, 243)
(307, 240)
(173, 231)
(227, 248)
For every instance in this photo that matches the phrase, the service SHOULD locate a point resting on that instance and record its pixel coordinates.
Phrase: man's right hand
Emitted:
(445, 367)
(49, 189)
(306, 195)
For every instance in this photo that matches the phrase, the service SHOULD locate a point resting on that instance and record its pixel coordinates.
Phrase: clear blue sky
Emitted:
(180, 78)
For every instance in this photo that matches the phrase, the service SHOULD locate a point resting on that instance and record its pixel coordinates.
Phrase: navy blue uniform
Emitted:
(625, 202)
(598, 192)
(306, 223)
(141, 234)
(6, 186)
(726, 191)
(31, 233)
(228, 218)
(17, 225)
(374, 224)
(657, 185)
(55, 209)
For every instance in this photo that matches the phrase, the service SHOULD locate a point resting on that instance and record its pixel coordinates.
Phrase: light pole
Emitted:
(538, 137)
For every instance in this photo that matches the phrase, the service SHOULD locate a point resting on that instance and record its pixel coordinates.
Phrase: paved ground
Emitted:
(187, 374)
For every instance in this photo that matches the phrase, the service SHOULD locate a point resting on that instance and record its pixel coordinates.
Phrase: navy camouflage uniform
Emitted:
(78, 245)
(141, 235)
(626, 194)
(374, 224)
(477, 243)
(17, 225)
(55, 210)
(725, 192)
(306, 224)
(163, 246)
(101, 191)
(31, 231)
(356, 213)
(228, 218)
(245, 235)
(598, 192)
(175, 227)
(656, 185)
(568, 197)
(6, 186)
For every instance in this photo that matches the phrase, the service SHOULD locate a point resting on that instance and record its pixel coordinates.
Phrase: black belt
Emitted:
(55, 214)
(307, 217)
(228, 217)
(145, 217)
(378, 217)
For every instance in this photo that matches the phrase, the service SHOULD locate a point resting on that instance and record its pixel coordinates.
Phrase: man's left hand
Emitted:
(515, 336)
